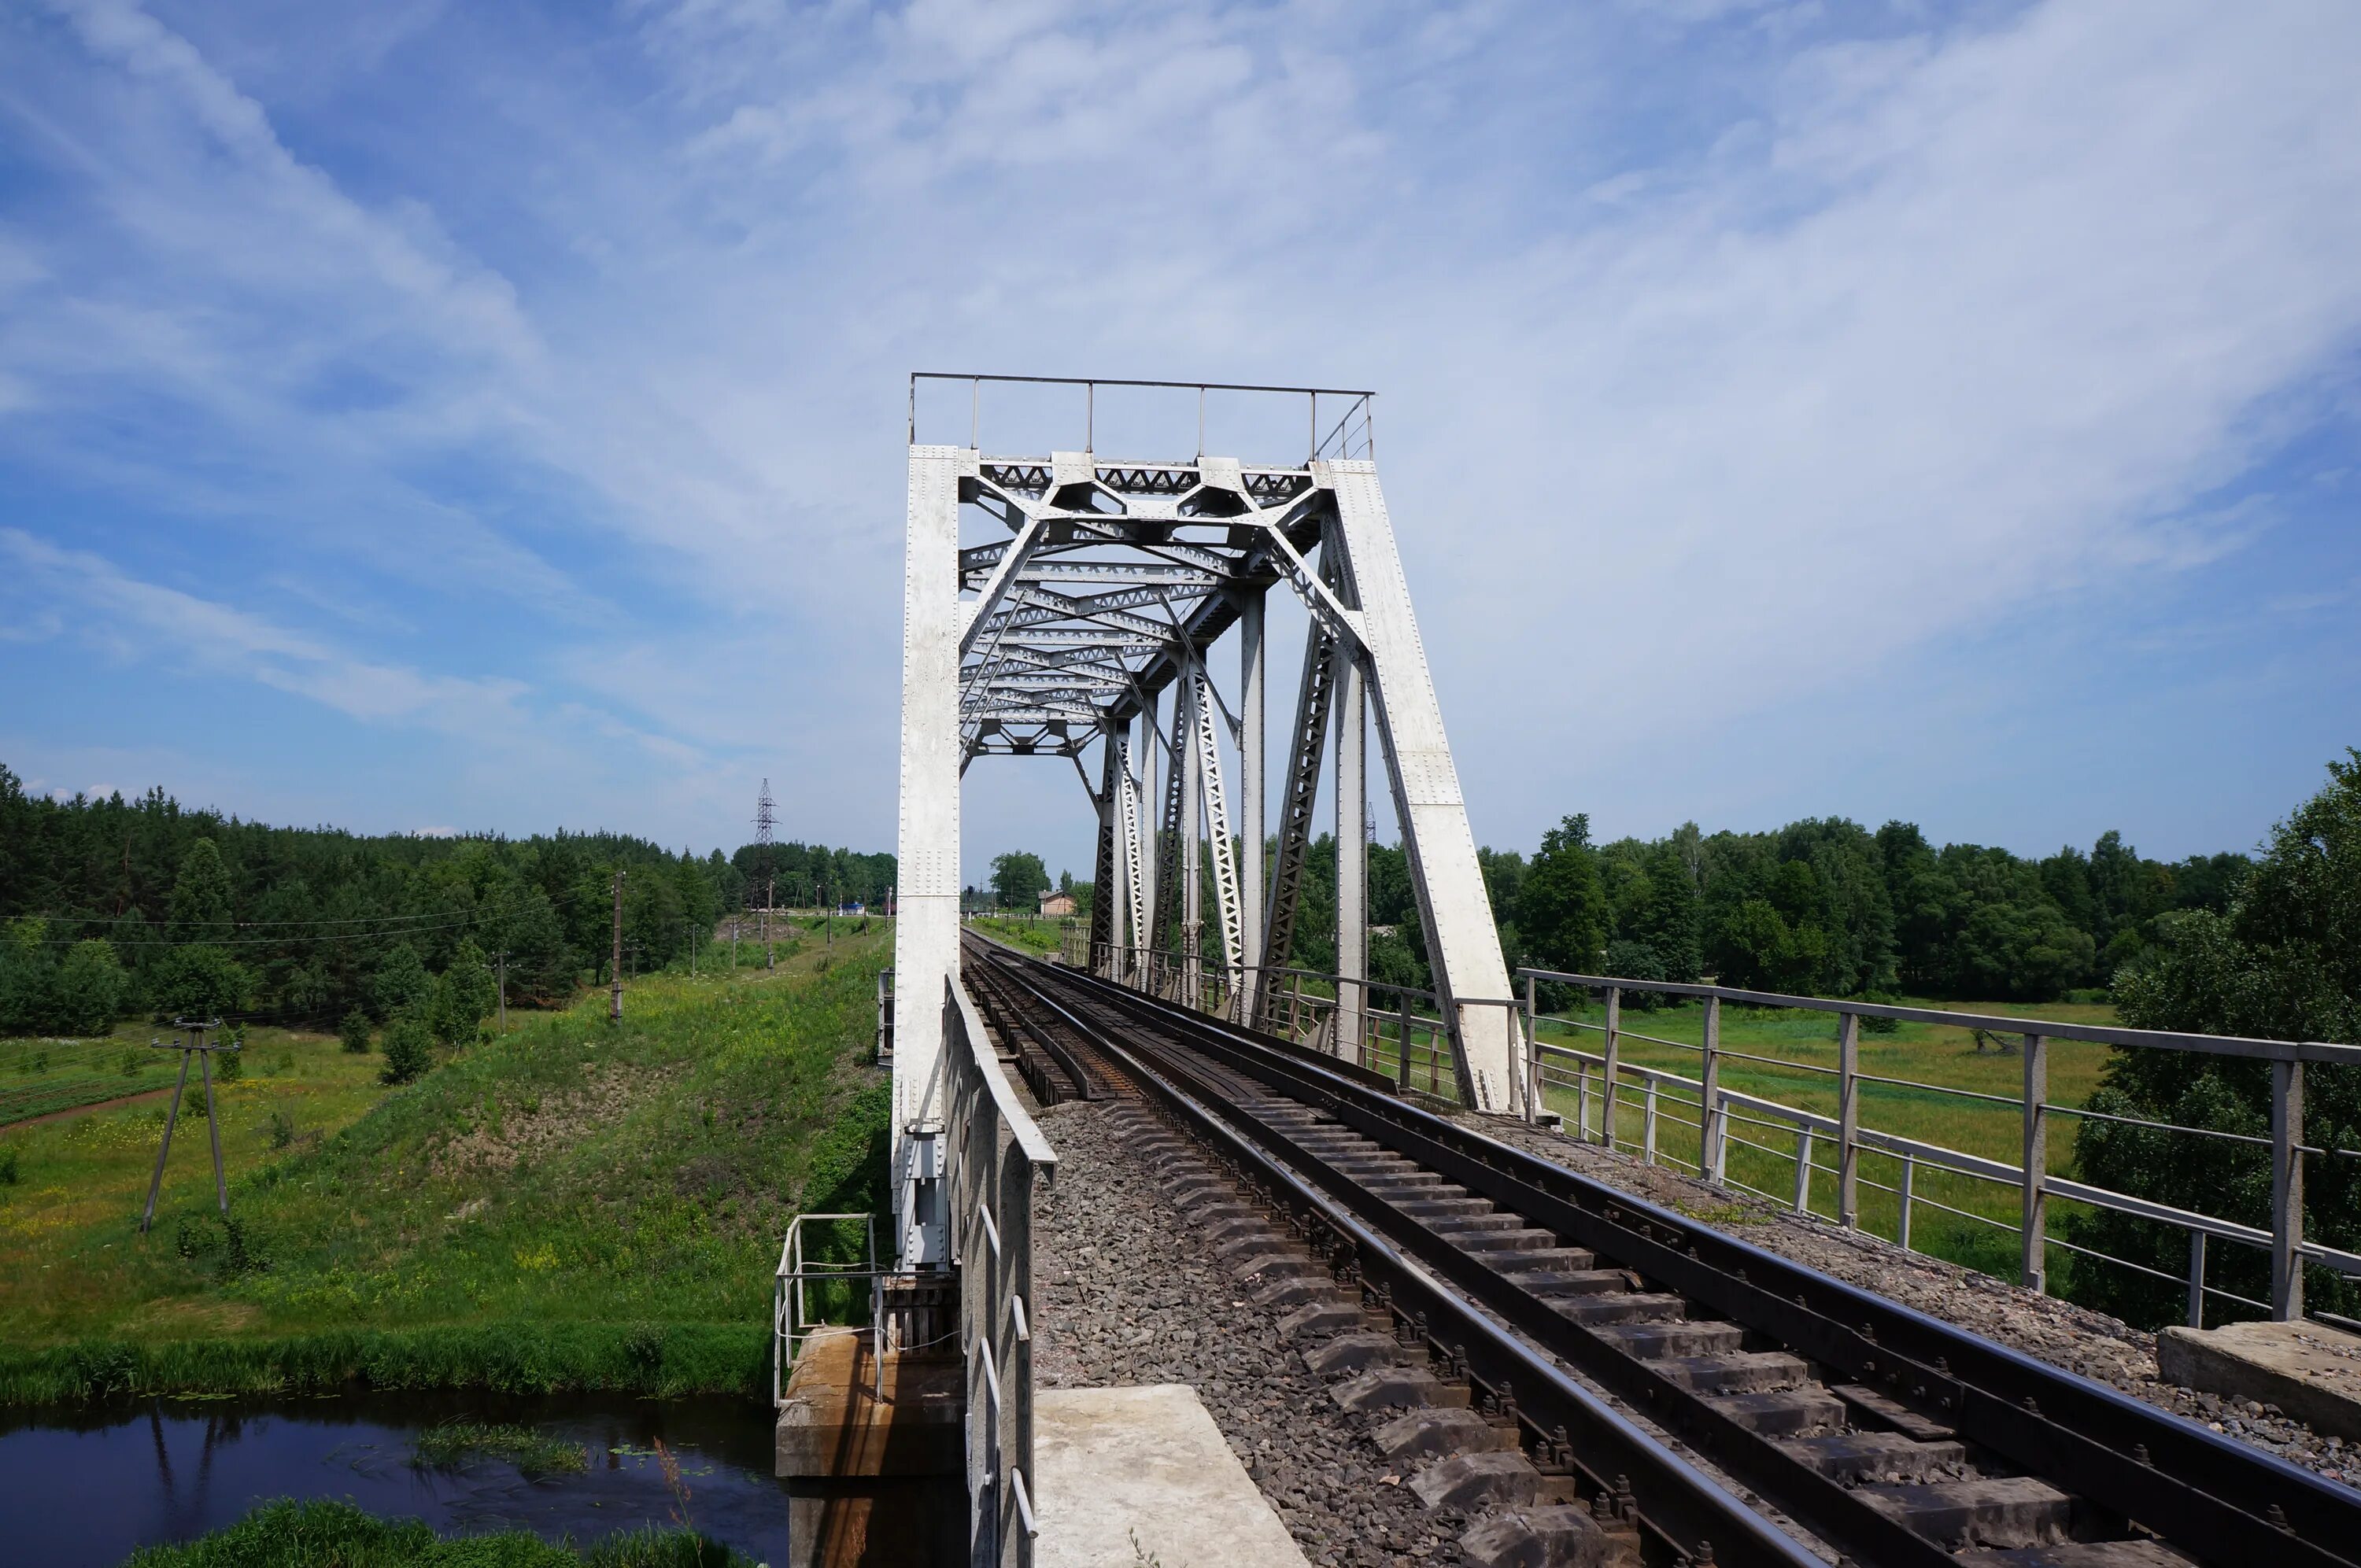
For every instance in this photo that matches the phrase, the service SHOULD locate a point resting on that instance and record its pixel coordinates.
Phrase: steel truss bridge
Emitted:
(1068, 604)
(1077, 614)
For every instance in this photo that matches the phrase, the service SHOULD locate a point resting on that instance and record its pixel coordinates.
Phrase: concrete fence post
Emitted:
(1909, 1180)
(2197, 1279)
(1612, 1059)
(1713, 1137)
(1848, 1121)
(1400, 1065)
(2035, 1272)
(2287, 1190)
(1533, 1106)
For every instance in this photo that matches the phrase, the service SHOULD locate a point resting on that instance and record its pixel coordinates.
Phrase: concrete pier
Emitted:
(873, 1457)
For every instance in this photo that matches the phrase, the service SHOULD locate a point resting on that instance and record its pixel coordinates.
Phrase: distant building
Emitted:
(1057, 904)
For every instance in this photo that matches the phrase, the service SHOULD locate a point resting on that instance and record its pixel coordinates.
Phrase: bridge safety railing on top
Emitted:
(1714, 1117)
(994, 1159)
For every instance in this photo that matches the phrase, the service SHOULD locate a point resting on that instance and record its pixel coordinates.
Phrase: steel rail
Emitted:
(1677, 1502)
(2207, 1494)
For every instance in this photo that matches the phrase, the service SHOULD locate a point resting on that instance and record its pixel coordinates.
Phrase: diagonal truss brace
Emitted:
(1217, 823)
(1303, 759)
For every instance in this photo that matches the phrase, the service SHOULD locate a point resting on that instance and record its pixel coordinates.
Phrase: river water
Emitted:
(87, 1487)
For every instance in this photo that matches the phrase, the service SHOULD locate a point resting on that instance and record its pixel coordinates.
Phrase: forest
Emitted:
(1823, 908)
(110, 907)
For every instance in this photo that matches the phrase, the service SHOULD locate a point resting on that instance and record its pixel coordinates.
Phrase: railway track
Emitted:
(1448, 1282)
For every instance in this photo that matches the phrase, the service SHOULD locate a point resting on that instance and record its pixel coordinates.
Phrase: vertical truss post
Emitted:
(1168, 891)
(925, 936)
(1146, 901)
(1250, 805)
(1190, 709)
(1352, 852)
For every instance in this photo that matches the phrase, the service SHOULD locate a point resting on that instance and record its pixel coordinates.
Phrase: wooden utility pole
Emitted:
(615, 962)
(199, 1047)
(501, 959)
(770, 893)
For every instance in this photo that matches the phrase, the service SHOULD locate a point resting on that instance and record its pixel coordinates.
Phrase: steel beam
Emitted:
(1250, 806)
(1462, 943)
(1351, 851)
(1303, 754)
(1105, 889)
(1220, 847)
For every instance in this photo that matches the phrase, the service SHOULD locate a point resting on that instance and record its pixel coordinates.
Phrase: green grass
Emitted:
(47, 1074)
(1927, 1053)
(574, 1205)
(1033, 936)
(455, 1444)
(288, 1534)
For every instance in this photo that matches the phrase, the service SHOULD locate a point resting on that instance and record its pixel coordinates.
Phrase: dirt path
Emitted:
(72, 1111)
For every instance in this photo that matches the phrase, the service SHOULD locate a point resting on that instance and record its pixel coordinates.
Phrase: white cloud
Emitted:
(1897, 335)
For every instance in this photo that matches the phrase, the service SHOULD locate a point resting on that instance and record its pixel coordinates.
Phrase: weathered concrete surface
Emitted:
(835, 1426)
(2310, 1371)
(1119, 1464)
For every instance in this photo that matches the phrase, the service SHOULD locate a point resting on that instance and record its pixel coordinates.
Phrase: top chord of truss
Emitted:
(1346, 428)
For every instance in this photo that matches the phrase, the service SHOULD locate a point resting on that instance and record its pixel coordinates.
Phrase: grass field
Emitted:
(1800, 1042)
(1033, 936)
(572, 1204)
(42, 1076)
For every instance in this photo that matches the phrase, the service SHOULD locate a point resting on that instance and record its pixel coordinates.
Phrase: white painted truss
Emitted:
(1087, 621)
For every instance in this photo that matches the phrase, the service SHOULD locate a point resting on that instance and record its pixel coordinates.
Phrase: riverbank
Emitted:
(575, 1205)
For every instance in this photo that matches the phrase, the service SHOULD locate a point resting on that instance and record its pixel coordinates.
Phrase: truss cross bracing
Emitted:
(1086, 618)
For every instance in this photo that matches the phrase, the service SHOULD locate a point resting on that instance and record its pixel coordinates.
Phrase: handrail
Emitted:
(2048, 1028)
(792, 1324)
(1990, 1169)
(996, 1157)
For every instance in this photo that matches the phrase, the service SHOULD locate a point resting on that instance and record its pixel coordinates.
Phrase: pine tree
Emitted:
(355, 1032)
(401, 982)
(409, 1047)
(200, 895)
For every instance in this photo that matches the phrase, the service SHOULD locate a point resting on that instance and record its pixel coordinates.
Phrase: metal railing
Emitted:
(793, 1322)
(1349, 421)
(1715, 1111)
(996, 1157)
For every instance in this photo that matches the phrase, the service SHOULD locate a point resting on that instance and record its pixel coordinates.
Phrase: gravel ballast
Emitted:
(2104, 1349)
(1127, 1291)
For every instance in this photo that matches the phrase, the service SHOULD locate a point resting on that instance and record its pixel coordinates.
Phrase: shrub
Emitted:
(408, 1048)
(10, 1173)
(282, 1129)
(354, 1032)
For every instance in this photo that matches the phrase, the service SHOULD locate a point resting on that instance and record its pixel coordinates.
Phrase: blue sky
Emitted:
(424, 417)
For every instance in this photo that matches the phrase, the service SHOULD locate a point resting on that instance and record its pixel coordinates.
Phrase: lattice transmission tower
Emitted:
(765, 820)
(1066, 604)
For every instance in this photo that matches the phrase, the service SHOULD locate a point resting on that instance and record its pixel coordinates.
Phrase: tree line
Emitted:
(113, 907)
(1822, 906)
